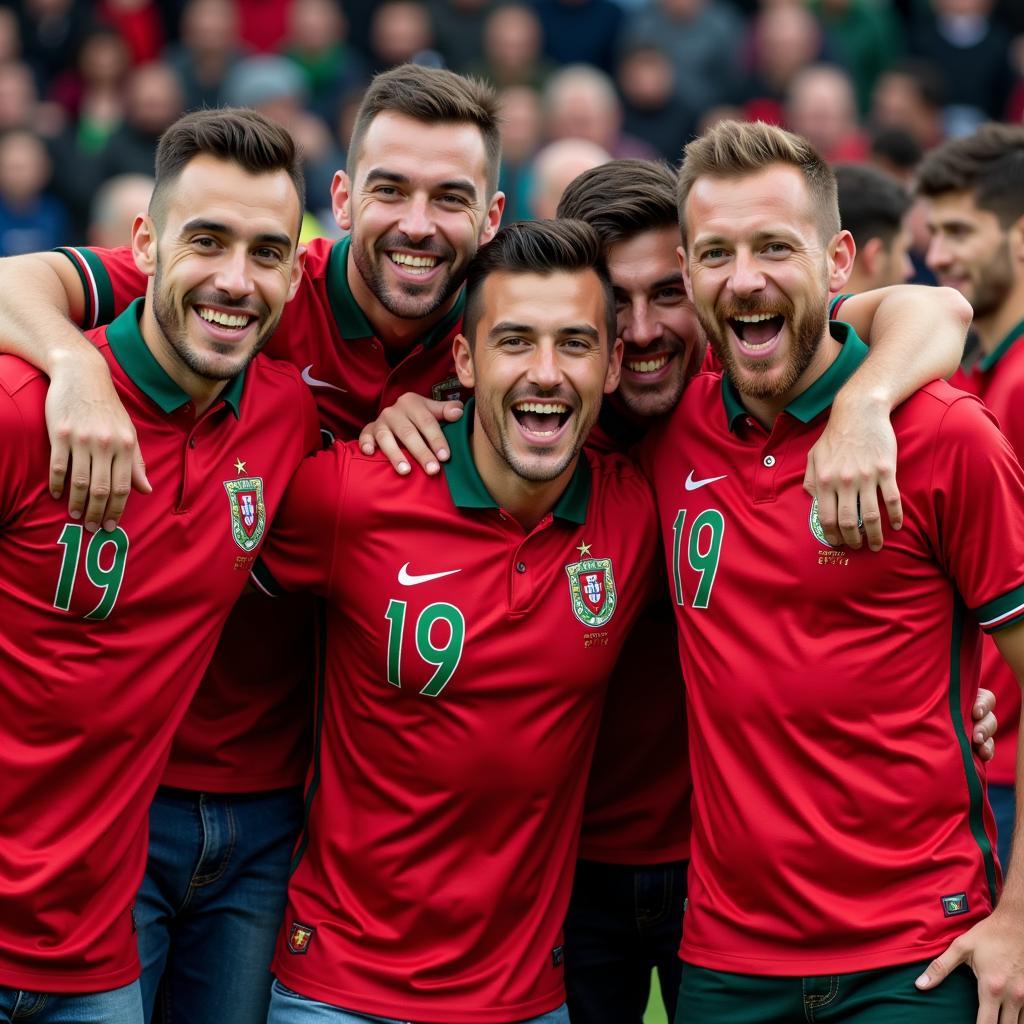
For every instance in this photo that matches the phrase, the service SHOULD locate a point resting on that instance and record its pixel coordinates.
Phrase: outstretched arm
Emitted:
(916, 335)
(40, 297)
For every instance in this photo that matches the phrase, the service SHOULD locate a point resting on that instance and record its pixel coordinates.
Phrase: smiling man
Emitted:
(841, 835)
(105, 636)
(473, 619)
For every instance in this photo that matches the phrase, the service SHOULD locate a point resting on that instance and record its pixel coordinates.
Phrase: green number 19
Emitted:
(107, 578)
(445, 658)
(703, 551)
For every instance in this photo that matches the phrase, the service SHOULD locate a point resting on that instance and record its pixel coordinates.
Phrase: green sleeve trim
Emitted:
(1002, 612)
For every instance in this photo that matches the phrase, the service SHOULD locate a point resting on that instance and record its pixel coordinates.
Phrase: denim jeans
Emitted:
(623, 922)
(212, 901)
(118, 1006)
(288, 1007)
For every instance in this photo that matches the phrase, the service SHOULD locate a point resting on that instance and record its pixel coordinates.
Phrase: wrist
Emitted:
(874, 399)
(72, 356)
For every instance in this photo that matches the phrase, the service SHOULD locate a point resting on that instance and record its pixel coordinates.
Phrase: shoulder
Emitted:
(318, 258)
(20, 380)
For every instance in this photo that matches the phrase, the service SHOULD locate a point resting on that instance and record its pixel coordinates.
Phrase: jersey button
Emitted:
(191, 442)
(520, 567)
(769, 461)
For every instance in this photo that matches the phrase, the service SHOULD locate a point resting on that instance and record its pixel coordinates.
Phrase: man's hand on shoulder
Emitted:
(413, 425)
(92, 437)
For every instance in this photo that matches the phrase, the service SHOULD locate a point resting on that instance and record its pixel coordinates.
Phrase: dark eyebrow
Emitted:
(667, 280)
(216, 228)
(456, 185)
(507, 327)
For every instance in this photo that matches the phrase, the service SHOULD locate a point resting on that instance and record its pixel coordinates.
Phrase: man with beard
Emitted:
(974, 192)
(841, 835)
(106, 635)
(473, 619)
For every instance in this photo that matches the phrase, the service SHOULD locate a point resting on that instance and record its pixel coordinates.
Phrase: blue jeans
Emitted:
(623, 922)
(212, 901)
(288, 1007)
(118, 1006)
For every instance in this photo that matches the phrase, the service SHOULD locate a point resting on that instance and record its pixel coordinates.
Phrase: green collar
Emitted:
(822, 392)
(469, 491)
(132, 352)
(1015, 335)
(351, 320)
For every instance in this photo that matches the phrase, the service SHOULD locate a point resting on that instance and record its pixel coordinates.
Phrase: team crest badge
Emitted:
(248, 513)
(592, 589)
(815, 524)
(299, 937)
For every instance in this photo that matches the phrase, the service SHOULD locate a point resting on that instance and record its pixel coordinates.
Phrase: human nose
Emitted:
(233, 274)
(746, 277)
(641, 326)
(416, 222)
(937, 256)
(545, 371)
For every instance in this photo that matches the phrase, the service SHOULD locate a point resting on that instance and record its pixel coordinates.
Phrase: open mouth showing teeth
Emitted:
(541, 418)
(646, 365)
(232, 320)
(757, 330)
(413, 264)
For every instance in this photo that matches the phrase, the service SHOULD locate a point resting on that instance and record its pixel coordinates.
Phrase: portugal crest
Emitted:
(592, 589)
(248, 513)
(814, 522)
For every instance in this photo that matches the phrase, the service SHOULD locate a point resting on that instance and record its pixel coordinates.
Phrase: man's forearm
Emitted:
(36, 303)
(916, 335)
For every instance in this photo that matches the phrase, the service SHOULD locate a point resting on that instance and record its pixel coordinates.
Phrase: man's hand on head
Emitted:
(412, 425)
(93, 438)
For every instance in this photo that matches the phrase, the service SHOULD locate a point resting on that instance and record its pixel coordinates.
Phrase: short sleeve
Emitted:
(978, 496)
(110, 279)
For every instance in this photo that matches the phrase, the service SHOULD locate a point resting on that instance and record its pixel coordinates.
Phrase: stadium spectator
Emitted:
(581, 31)
(522, 121)
(208, 49)
(867, 37)
(700, 37)
(782, 40)
(512, 49)
(972, 49)
(654, 111)
(92, 93)
(580, 102)
(458, 27)
(555, 166)
(153, 102)
(821, 106)
(19, 100)
(10, 36)
(910, 96)
(401, 33)
(317, 42)
(50, 31)
(31, 219)
(117, 203)
(872, 207)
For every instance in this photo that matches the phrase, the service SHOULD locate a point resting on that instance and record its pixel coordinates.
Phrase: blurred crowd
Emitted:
(86, 88)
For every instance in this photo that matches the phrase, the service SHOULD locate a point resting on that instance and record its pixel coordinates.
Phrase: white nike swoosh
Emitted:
(694, 485)
(314, 383)
(407, 579)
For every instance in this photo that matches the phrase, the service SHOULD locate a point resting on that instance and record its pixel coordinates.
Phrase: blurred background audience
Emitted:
(86, 86)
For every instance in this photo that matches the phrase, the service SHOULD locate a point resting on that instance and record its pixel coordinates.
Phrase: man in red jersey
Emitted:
(974, 192)
(473, 619)
(106, 635)
(841, 835)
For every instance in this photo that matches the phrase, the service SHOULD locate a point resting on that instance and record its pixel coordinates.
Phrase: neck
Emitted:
(202, 390)
(765, 410)
(991, 329)
(393, 331)
(528, 501)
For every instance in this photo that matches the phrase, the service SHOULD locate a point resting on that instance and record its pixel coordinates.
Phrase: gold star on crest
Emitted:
(239, 466)
(584, 549)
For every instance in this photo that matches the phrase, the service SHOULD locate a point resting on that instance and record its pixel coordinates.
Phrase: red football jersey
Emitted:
(105, 638)
(248, 728)
(998, 379)
(466, 664)
(637, 807)
(840, 820)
